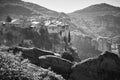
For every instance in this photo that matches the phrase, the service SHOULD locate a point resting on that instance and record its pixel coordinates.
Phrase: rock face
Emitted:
(104, 67)
(84, 45)
(31, 53)
(14, 35)
(57, 64)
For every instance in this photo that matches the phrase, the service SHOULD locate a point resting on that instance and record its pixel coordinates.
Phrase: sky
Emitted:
(68, 6)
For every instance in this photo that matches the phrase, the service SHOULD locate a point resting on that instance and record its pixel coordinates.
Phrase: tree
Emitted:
(66, 42)
(8, 19)
(69, 37)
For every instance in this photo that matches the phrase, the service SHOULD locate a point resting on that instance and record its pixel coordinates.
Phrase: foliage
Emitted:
(69, 37)
(8, 19)
(14, 67)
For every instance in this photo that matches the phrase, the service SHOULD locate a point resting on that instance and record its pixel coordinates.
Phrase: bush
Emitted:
(14, 67)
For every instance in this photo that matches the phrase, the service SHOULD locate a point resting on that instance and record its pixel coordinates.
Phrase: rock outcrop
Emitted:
(57, 64)
(31, 53)
(104, 67)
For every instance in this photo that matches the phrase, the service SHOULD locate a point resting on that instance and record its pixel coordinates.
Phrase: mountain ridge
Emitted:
(13, 7)
(98, 7)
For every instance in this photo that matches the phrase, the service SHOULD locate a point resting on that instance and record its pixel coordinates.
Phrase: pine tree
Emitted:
(69, 37)
(66, 43)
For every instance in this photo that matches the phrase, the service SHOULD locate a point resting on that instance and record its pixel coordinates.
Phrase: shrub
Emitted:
(14, 67)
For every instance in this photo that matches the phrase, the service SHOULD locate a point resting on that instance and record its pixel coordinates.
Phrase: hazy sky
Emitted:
(71, 5)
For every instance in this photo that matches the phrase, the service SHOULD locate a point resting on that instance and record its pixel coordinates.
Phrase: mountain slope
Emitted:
(17, 8)
(100, 19)
(98, 10)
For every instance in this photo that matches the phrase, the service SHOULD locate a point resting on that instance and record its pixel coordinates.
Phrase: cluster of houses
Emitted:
(53, 26)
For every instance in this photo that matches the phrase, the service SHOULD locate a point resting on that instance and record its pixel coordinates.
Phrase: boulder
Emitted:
(104, 67)
(57, 64)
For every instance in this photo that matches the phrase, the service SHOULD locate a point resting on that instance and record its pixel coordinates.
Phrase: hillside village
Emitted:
(54, 27)
(41, 44)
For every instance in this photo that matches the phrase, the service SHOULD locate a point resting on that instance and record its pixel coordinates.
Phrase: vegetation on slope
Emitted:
(14, 67)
